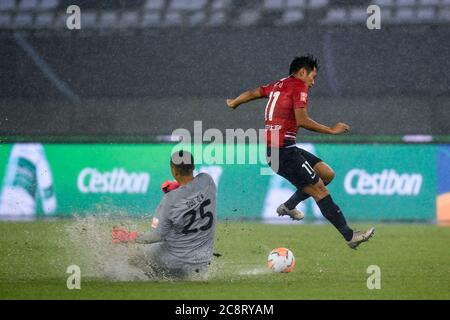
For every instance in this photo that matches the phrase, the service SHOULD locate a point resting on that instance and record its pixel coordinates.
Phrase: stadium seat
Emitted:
(173, 18)
(274, 4)
(197, 19)
(88, 19)
(108, 19)
(48, 5)
(220, 4)
(336, 15)
(217, 18)
(405, 3)
(405, 15)
(295, 4)
(291, 17)
(187, 5)
(386, 15)
(5, 20)
(154, 4)
(444, 15)
(23, 20)
(357, 15)
(429, 2)
(60, 19)
(384, 3)
(317, 4)
(28, 5)
(43, 20)
(151, 19)
(129, 19)
(248, 18)
(426, 14)
(7, 5)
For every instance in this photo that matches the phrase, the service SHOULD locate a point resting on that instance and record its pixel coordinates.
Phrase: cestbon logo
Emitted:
(91, 180)
(386, 183)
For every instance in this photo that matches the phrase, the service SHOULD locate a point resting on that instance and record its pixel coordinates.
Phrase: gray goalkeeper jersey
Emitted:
(186, 221)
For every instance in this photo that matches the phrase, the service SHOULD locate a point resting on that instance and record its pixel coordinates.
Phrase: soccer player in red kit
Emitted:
(285, 113)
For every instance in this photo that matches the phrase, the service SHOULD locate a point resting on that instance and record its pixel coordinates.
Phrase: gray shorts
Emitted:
(158, 264)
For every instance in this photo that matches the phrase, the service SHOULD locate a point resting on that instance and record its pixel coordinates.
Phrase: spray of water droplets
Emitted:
(101, 258)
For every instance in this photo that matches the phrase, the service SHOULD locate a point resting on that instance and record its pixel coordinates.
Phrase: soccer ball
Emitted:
(281, 260)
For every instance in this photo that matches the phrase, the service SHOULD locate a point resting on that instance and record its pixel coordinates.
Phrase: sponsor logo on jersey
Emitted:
(271, 127)
(91, 180)
(386, 183)
(303, 96)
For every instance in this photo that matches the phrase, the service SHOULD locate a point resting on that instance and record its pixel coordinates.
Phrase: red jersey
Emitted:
(285, 96)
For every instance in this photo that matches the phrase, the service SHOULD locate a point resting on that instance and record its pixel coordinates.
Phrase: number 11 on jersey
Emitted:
(273, 97)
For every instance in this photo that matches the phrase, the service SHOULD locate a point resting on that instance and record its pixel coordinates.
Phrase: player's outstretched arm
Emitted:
(304, 121)
(244, 98)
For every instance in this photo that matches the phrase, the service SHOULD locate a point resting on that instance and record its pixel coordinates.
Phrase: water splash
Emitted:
(101, 258)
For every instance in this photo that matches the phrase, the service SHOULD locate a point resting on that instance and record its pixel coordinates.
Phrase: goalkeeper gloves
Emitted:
(122, 235)
(169, 186)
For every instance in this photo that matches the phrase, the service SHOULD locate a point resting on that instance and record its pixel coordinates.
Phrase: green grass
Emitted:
(414, 261)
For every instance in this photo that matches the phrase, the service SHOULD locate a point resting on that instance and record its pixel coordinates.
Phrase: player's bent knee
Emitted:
(330, 176)
(325, 172)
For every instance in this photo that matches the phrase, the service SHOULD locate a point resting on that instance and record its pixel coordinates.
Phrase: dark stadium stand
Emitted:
(141, 14)
(132, 57)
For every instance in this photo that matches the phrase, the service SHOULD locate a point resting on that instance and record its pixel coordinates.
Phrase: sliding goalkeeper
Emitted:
(181, 242)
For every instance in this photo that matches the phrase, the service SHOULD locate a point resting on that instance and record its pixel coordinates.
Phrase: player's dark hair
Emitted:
(308, 62)
(183, 161)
